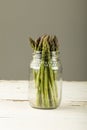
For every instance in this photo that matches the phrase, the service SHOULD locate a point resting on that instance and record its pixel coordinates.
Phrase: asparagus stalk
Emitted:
(38, 87)
(46, 88)
(52, 82)
(42, 84)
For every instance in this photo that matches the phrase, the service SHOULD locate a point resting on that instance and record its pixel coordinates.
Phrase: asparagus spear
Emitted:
(45, 78)
(46, 88)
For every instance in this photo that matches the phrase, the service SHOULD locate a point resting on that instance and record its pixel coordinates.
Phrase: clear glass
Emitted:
(45, 80)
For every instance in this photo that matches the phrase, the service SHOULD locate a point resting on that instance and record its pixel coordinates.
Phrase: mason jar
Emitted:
(45, 80)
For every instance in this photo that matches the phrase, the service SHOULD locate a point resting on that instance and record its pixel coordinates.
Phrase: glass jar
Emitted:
(45, 80)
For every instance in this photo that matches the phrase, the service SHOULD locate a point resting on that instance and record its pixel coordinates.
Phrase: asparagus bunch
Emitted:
(45, 76)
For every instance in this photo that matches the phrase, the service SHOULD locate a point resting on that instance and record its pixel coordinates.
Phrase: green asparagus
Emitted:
(45, 77)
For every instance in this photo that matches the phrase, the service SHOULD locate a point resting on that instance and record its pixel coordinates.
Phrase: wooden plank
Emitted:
(18, 90)
(14, 90)
(20, 116)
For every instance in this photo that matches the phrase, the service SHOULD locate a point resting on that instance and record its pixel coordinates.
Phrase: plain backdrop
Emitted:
(20, 19)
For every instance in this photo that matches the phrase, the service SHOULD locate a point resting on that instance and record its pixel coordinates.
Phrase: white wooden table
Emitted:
(16, 113)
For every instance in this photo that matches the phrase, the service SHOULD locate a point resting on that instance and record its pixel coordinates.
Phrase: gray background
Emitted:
(20, 19)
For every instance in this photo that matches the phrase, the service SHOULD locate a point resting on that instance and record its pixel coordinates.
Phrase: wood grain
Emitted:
(16, 113)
